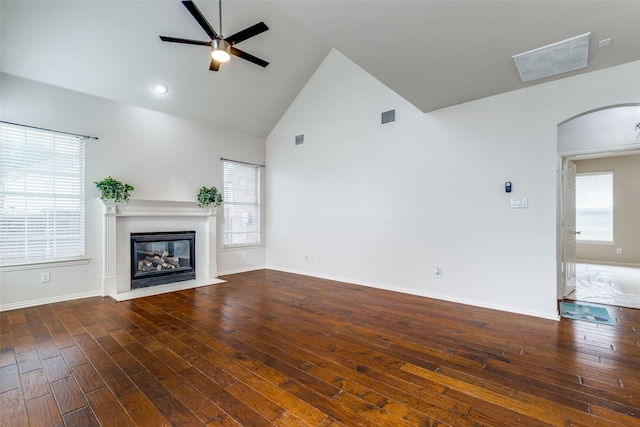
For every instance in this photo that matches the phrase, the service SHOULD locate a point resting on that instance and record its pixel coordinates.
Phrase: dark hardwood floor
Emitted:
(271, 348)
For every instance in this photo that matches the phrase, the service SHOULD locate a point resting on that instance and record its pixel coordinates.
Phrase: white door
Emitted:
(568, 227)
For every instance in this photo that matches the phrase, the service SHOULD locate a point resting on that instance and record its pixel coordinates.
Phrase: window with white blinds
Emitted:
(41, 196)
(594, 207)
(241, 204)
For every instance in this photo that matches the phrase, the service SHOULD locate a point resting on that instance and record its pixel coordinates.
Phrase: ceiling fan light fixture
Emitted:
(220, 50)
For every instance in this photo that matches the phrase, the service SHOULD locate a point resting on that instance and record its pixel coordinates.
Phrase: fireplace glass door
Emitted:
(159, 258)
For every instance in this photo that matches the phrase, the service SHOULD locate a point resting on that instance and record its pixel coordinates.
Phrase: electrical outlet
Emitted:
(618, 251)
(45, 277)
(437, 272)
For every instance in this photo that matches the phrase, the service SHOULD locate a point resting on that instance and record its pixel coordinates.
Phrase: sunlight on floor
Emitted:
(607, 284)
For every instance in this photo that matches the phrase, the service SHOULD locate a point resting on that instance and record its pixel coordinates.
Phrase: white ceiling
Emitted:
(433, 53)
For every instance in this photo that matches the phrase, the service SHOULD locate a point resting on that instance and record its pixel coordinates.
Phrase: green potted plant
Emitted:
(207, 196)
(115, 190)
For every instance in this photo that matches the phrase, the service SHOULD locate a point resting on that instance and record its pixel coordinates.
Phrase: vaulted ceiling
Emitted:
(433, 53)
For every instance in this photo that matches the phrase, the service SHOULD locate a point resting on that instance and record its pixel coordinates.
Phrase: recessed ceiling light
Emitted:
(160, 88)
(557, 58)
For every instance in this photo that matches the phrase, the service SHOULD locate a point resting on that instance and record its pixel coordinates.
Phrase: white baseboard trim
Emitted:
(544, 315)
(50, 300)
(241, 270)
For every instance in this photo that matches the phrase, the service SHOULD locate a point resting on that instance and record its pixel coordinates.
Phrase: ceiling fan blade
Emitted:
(191, 7)
(247, 56)
(184, 41)
(215, 65)
(247, 33)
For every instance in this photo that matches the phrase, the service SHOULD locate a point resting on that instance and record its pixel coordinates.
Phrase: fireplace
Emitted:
(162, 257)
(121, 220)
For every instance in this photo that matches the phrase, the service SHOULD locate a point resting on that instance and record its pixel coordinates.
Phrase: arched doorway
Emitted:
(593, 142)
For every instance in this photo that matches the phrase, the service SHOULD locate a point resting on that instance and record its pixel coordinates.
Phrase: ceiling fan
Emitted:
(221, 47)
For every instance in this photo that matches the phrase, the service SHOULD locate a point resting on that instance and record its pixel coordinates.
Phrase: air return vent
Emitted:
(300, 139)
(388, 117)
(557, 58)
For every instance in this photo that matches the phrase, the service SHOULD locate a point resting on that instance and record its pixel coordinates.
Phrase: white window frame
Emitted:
(246, 200)
(595, 207)
(42, 198)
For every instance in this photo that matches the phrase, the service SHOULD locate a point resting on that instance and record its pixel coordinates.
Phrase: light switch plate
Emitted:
(519, 203)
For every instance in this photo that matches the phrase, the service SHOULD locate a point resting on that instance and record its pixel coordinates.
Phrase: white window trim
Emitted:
(44, 264)
(240, 246)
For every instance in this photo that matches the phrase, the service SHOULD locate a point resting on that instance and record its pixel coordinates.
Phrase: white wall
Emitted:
(383, 205)
(164, 157)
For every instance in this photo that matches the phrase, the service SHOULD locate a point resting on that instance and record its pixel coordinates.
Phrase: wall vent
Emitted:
(388, 117)
(300, 139)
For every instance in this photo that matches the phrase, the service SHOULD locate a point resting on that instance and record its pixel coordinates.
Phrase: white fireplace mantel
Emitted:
(156, 208)
(155, 215)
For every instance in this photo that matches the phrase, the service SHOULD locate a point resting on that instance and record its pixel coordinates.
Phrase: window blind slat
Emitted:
(41, 195)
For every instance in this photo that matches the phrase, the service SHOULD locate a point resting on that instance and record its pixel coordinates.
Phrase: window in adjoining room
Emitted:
(41, 196)
(594, 207)
(241, 204)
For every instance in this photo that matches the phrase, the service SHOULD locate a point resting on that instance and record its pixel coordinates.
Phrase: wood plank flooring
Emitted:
(272, 348)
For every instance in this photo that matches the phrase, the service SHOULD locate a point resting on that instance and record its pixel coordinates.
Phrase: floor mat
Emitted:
(585, 312)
